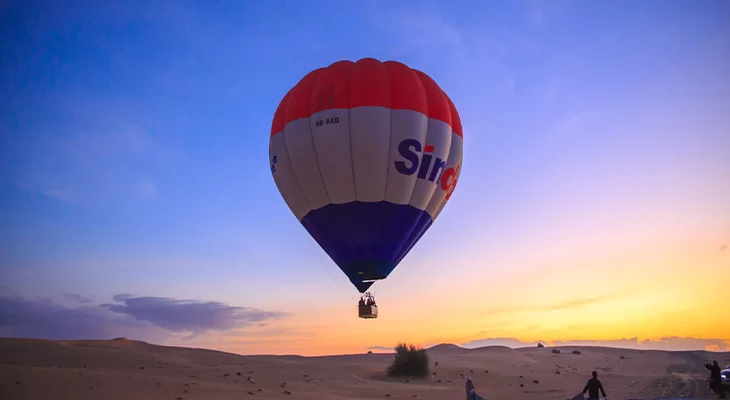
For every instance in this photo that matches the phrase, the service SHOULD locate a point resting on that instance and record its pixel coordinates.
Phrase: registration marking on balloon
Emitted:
(327, 121)
(366, 155)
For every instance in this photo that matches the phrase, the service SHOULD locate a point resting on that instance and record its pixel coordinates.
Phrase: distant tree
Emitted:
(409, 360)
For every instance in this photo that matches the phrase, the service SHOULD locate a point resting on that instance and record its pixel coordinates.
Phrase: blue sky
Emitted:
(135, 142)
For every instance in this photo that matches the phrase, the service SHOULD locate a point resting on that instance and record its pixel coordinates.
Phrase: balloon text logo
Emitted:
(431, 168)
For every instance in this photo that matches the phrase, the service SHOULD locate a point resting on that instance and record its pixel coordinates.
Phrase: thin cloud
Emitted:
(94, 153)
(278, 332)
(380, 348)
(673, 343)
(536, 12)
(487, 53)
(539, 12)
(509, 85)
(565, 305)
(583, 302)
(578, 123)
(189, 315)
(417, 31)
(427, 30)
(50, 319)
(508, 342)
(144, 318)
(75, 297)
(664, 343)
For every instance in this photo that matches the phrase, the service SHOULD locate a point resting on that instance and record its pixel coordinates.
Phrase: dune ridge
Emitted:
(128, 369)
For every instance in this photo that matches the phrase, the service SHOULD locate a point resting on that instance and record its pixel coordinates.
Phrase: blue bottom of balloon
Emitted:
(367, 240)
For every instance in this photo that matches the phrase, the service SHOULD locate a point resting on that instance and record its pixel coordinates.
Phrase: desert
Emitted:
(128, 369)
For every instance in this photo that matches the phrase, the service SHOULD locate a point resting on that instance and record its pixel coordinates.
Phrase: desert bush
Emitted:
(556, 351)
(409, 360)
(576, 352)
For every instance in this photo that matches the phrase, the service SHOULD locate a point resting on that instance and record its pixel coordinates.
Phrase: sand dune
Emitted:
(131, 370)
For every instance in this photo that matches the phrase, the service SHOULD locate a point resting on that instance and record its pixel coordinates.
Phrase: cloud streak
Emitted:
(380, 348)
(189, 315)
(77, 298)
(418, 30)
(578, 123)
(94, 153)
(51, 319)
(665, 343)
(144, 318)
(565, 305)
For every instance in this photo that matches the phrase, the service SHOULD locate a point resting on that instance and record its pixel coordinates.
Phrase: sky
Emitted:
(593, 206)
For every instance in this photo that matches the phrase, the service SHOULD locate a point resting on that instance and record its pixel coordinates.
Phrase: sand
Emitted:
(131, 370)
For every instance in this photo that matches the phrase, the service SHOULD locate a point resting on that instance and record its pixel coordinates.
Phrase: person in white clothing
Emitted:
(471, 393)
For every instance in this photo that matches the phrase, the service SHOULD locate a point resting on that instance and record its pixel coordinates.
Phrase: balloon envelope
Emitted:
(366, 154)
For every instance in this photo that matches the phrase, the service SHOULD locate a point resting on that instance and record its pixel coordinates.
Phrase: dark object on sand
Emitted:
(471, 393)
(716, 381)
(409, 360)
(593, 386)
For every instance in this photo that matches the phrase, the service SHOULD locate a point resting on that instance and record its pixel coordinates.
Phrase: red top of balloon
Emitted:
(367, 82)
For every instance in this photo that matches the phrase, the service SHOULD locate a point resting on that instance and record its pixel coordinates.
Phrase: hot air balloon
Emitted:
(366, 155)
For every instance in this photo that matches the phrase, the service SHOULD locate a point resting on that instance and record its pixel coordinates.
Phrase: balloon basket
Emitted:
(367, 312)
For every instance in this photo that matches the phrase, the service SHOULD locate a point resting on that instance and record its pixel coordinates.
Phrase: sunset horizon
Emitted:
(149, 190)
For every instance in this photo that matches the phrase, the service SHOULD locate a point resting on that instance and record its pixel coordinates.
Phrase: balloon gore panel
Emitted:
(366, 240)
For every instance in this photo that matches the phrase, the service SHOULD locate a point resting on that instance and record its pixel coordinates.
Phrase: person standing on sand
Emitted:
(716, 379)
(471, 393)
(593, 386)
